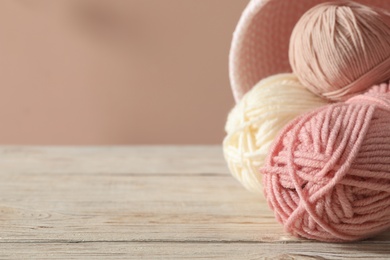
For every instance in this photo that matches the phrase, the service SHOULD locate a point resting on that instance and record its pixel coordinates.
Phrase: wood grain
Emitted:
(143, 202)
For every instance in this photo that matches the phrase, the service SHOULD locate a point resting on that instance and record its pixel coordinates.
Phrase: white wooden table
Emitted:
(143, 203)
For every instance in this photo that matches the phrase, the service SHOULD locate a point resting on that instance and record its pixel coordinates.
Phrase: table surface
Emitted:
(143, 202)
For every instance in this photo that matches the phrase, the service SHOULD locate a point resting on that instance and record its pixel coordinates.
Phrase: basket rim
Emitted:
(248, 15)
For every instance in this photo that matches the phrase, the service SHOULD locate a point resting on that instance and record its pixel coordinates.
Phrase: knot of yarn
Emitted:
(255, 121)
(327, 177)
(340, 49)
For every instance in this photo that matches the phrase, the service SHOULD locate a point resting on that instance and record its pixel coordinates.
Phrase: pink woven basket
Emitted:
(260, 41)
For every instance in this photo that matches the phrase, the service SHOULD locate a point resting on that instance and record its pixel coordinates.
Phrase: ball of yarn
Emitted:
(255, 121)
(328, 174)
(339, 49)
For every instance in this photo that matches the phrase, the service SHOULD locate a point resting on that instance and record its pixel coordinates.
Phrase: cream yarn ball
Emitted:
(257, 119)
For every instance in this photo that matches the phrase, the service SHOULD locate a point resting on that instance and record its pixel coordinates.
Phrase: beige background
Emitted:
(115, 72)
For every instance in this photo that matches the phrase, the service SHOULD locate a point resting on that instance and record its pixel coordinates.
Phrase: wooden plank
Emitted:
(142, 201)
(127, 207)
(118, 159)
(139, 250)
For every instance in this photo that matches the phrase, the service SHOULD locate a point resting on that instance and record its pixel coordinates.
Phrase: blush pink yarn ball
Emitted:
(339, 49)
(327, 176)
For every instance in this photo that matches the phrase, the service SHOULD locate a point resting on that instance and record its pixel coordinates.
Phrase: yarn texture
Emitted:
(256, 120)
(339, 49)
(317, 141)
(327, 176)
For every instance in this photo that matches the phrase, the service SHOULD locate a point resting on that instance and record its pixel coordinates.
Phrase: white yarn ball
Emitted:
(257, 119)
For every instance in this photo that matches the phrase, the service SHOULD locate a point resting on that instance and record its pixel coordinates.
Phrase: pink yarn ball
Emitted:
(340, 49)
(327, 176)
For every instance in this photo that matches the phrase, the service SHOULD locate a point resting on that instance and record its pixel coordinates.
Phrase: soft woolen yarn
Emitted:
(255, 121)
(339, 49)
(327, 176)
